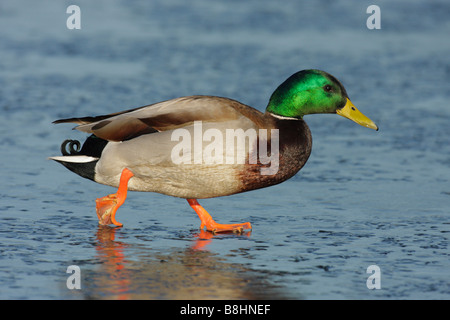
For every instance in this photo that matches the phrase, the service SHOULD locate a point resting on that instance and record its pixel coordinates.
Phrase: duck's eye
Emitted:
(328, 88)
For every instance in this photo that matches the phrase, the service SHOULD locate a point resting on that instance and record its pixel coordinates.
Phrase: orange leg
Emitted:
(211, 225)
(107, 206)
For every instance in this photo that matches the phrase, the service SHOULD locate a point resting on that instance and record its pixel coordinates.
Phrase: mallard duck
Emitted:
(149, 148)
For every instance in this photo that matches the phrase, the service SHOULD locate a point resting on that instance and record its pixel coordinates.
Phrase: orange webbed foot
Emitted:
(212, 226)
(107, 206)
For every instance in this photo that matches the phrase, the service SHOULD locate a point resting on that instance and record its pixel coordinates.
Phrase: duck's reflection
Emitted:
(114, 274)
(183, 273)
(203, 238)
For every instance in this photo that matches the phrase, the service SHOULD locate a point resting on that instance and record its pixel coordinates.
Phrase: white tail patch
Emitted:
(74, 159)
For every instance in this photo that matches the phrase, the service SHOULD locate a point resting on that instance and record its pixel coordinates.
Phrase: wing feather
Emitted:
(162, 116)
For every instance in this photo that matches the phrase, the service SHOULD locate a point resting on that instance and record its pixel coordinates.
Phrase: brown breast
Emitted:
(294, 149)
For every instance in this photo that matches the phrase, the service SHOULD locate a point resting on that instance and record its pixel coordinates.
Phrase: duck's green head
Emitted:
(314, 91)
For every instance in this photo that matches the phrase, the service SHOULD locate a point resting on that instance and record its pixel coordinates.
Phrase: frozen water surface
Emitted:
(364, 198)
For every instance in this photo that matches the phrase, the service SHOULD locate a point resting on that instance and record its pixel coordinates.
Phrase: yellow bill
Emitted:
(349, 111)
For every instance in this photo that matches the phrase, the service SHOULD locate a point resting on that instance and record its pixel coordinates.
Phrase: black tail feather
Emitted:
(93, 147)
(85, 170)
